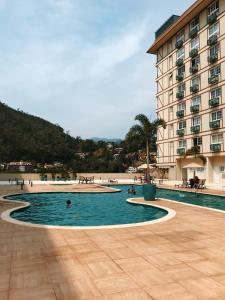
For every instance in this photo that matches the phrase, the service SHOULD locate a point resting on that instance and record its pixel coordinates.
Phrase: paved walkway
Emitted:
(180, 259)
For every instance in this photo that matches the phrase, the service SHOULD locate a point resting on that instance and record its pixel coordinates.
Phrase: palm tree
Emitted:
(147, 131)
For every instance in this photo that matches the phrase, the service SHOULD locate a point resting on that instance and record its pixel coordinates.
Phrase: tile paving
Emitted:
(180, 259)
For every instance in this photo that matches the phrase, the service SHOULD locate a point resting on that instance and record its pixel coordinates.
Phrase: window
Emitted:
(170, 96)
(213, 29)
(196, 121)
(194, 24)
(217, 138)
(197, 141)
(171, 149)
(170, 78)
(170, 62)
(222, 169)
(214, 8)
(182, 125)
(181, 70)
(180, 53)
(195, 43)
(170, 113)
(181, 87)
(196, 100)
(215, 93)
(182, 144)
(181, 106)
(215, 71)
(170, 131)
(195, 61)
(180, 36)
(169, 46)
(216, 115)
(214, 50)
(195, 80)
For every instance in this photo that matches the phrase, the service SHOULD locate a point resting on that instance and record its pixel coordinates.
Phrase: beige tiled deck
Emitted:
(180, 259)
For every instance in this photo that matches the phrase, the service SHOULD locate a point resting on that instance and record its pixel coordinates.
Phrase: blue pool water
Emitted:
(88, 209)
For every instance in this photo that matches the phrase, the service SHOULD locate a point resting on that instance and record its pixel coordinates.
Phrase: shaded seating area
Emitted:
(193, 183)
(83, 179)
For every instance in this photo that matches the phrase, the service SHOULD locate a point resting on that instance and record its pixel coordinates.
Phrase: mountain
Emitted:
(107, 140)
(26, 137)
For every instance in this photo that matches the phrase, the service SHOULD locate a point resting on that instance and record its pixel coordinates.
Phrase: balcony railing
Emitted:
(212, 58)
(194, 69)
(212, 40)
(214, 102)
(181, 151)
(180, 95)
(180, 77)
(193, 53)
(180, 113)
(194, 88)
(195, 129)
(213, 79)
(215, 147)
(180, 132)
(212, 18)
(180, 62)
(193, 33)
(179, 44)
(214, 124)
(194, 108)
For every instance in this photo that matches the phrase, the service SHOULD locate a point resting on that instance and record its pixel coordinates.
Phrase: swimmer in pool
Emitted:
(68, 203)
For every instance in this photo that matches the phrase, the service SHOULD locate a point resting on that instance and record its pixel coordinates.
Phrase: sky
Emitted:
(82, 64)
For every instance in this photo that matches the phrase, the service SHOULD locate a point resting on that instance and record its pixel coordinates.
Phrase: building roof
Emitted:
(182, 21)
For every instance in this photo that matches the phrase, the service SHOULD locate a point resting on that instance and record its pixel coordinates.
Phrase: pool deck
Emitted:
(180, 259)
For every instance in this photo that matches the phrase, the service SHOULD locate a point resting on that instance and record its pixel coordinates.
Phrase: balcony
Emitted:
(180, 77)
(214, 124)
(180, 62)
(195, 129)
(213, 79)
(194, 88)
(194, 108)
(180, 113)
(212, 18)
(212, 58)
(193, 53)
(214, 102)
(179, 44)
(180, 132)
(194, 69)
(193, 33)
(181, 151)
(215, 147)
(180, 95)
(212, 40)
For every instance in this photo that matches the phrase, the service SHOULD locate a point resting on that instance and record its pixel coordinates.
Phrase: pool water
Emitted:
(212, 201)
(87, 209)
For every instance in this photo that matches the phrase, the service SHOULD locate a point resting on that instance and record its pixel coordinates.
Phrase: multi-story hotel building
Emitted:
(190, 52)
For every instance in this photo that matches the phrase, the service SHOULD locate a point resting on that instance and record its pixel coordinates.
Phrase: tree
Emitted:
(147, 132)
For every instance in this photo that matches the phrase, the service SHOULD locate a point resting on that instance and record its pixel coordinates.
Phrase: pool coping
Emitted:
(6, 217)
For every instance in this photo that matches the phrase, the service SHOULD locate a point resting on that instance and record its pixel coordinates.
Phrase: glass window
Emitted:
(214, 29)
(170, 129)
(180, 36)
(216, 115)
(182, 143)
(195, 43)
(217, 138)
(194, 24)
(197, 141)
(170, 113)
(196, 100)
(196, 121)
(170, 96)
(182, 125)
(215, 93)
(180, 53)
(195, 80)
(169, 46)
(171, 149)
(195, 61)
(213, 8)
(214, 50)
(215, 71)
(181, 70)
(181, 106)
(181, 87)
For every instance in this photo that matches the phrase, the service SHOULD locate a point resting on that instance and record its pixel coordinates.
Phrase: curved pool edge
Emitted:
(5, 216)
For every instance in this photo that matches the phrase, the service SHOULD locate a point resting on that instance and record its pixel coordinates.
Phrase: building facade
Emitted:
(191, 92)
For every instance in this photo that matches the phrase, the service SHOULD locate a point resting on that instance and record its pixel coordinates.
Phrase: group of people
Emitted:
(194, 181)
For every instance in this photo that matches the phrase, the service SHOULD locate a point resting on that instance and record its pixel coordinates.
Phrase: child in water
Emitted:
(68, 203)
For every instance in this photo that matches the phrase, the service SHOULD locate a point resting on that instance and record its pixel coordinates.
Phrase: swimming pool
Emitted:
(87, 209)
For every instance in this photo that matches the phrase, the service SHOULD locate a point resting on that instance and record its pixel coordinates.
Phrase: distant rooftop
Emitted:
(166, 25)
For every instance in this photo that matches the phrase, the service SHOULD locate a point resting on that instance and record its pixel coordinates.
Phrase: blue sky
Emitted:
(81, 63)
